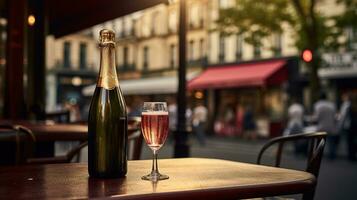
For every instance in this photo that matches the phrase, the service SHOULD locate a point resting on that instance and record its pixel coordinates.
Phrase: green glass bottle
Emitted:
(107, 121)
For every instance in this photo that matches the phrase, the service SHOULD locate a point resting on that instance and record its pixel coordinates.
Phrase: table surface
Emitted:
(190, 178)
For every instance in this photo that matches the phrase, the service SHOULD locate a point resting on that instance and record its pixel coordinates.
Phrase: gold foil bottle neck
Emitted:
(107, 77)
(106, 36)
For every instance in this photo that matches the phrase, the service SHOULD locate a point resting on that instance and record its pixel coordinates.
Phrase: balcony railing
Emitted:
(201, 62)
(60, 65)
(126, 68)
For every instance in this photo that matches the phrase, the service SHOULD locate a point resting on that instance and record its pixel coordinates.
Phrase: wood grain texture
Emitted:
(189, 178)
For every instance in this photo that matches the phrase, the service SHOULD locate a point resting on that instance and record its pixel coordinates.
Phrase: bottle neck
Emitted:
(108, 78)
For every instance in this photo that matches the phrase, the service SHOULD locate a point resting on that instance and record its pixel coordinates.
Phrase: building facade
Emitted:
(147, 51)
(72, 64)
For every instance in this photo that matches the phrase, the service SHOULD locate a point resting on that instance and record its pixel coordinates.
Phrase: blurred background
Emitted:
(252, 67)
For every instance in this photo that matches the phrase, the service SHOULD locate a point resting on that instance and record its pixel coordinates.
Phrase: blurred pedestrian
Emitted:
(344, 121)
(325, 115)
(296, 125)
(352, 131)
(239, 119)
(296, 119)
(188, 118)
(136, 107)
(229, 127)
(172, 108)
(199, 119)
(249, 125)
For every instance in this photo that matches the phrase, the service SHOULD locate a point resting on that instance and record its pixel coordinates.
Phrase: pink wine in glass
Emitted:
(155, 127)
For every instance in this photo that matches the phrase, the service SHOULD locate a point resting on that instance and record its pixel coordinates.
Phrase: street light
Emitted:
(31, 20)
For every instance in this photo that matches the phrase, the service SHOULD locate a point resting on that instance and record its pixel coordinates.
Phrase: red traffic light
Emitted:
(307, 55)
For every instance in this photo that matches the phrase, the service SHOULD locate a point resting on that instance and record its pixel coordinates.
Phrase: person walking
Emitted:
(296, 125)
(239, 120)
(352, 130)
(296, 119)
(199, 119)
(172, 109)
(249, 126)
(325, 115)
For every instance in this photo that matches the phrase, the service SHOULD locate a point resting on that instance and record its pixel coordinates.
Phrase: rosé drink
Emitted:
(154, 126)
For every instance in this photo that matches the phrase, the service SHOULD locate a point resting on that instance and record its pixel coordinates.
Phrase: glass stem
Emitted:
(155, 168)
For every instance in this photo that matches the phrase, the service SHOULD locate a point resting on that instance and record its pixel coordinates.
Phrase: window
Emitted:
(154, 21)
(256, 46)
(190, 51)
(201, 14)
(121, 28)
(173, 22)
(351, 38)
(257, 51)
(239, 47)
(145, 25)
(128, 26)
(173, 55)
(202, 50)
(82, 55)
(133, 30)
(222, 47)
(194, 16)
(67, 55)
(125, 58)
(277, 44)
(146, 58)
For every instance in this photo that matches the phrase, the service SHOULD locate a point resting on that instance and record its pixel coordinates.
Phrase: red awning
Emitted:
(254, 74)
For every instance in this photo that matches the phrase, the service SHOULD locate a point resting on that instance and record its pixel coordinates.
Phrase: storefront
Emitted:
(64, 91)
(137, 91)
(260, 87)
(339, 74)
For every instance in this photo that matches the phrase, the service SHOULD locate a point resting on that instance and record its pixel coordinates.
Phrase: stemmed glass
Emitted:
(155, 128)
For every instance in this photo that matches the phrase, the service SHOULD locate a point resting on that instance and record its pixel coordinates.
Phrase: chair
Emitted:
(18, 139)
(317, 143)
(135, 140)
(58, 116)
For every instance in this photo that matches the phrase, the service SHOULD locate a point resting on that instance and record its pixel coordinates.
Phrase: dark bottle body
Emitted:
(107, 120)
(107, 134)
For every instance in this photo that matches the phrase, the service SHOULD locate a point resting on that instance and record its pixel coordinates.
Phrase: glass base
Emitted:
(155, 177)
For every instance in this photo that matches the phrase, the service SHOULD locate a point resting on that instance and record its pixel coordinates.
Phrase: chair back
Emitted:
(58, 116)
(316, 145)
(135, 138)
(16, 139)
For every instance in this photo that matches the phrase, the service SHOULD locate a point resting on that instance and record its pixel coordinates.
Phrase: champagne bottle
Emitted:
(107, 121)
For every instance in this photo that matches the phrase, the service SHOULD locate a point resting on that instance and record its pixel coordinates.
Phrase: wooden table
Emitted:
(50, 132)
(46, 133)
(190, 178)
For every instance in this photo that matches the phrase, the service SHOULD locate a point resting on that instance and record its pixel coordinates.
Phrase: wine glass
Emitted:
(155, 127)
